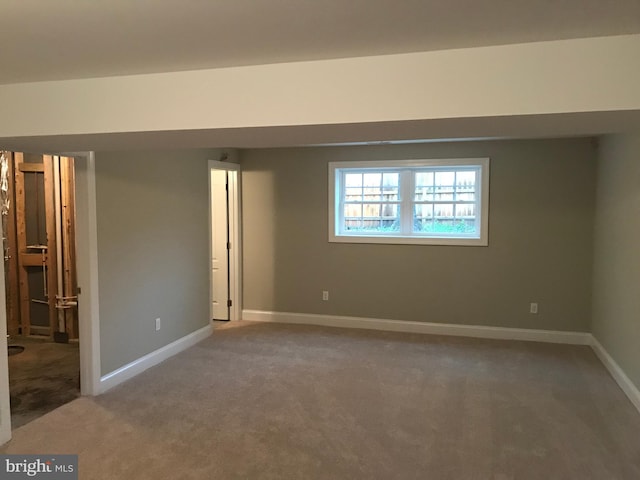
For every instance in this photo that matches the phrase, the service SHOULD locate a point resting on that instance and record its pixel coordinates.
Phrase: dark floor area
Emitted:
(43, 377)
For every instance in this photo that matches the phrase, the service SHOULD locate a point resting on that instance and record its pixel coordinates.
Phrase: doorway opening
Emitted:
(225, 245)
(37, 194)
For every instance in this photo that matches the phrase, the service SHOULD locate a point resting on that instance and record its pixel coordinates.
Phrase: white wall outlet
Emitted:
(533, 308)
(325, 295)
(157, 324)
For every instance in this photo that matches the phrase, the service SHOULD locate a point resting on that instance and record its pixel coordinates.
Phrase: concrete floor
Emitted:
(43, 377)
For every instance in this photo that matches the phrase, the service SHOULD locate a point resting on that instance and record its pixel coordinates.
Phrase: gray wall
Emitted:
(540, 240)
(153, 254)
(616, 300)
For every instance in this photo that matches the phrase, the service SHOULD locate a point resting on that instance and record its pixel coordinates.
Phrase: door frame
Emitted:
(87, 272)
(88, 307)
(235, 238)
(5, 402)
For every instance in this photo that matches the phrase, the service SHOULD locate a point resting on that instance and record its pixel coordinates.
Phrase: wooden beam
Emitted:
(52, 277)
(32, 167)
(32, 259)
(21, 240)
(67, 188)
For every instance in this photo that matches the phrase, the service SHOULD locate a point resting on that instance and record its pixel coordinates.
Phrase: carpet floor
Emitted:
(267, 401)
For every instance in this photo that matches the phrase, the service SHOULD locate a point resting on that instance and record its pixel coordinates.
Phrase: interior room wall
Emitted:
(616, 303)
(153, 253)
(542, 198)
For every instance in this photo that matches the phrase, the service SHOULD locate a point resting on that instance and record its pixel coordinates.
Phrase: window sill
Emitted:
(398, 240)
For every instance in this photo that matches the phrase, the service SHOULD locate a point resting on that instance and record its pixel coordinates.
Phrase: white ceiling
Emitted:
(62, 39)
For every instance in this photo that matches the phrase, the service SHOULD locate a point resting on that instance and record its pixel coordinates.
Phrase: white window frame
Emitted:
(336, 170)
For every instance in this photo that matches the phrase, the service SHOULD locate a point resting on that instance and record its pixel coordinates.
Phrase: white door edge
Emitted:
(87, 272)
(235, 257)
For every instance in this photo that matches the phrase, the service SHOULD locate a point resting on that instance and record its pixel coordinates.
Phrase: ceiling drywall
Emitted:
(64, 39)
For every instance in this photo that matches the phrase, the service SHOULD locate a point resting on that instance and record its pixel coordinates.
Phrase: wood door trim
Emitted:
(52, 273)
(21, 233)
(31, 167)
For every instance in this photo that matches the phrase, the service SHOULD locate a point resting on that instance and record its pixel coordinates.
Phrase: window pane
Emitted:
(390, 195)
(466, 210)
(352, 225)
(425, 193)
(466, 178)
(444, 178)
(465, 186)
(352, 210)
(371, 194)
(389, 210)
(424, 178)
(353, 180)
(453, 226)
(424, 186)
(465, 197)
(380, 225)
(371, 210)
(423, 218)
(390, 187)
(372, 179)
(371, 225)
(353, 194)
(372, 183)
(443, 210)
(371, 217)
(390, 179)
(444, 182)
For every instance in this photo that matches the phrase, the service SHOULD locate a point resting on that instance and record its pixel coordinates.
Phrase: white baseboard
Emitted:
(138, 366)
(617, 373)
(477, 331)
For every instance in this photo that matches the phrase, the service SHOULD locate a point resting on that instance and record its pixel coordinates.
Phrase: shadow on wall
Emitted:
(540, 242)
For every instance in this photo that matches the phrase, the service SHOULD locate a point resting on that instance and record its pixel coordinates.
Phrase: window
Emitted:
(437, 202)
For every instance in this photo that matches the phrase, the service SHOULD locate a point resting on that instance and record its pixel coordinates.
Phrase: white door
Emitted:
(219, 243)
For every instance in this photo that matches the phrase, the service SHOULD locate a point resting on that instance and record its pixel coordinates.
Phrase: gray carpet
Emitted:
(272, 401)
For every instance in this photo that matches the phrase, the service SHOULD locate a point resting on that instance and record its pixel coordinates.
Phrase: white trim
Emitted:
(87, 271)
(617, 373)
(5, 401)
(138, 366)
(405, 236)
(235, 232)
(476, 331)
(236, 253)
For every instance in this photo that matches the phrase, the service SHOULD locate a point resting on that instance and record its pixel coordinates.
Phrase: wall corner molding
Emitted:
(130, 370)
(617, 373)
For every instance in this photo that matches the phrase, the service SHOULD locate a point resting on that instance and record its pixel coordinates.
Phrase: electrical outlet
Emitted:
(325, 295)
(157, 324)
(533, 308)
